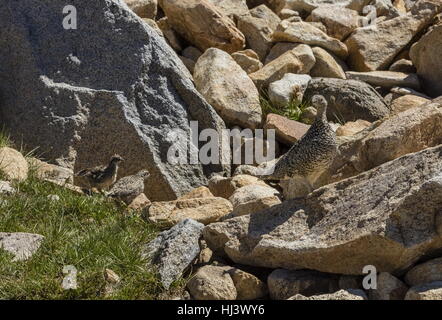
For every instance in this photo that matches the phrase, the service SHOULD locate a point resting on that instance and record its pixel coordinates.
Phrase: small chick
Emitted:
(128, 188)
(100, 177)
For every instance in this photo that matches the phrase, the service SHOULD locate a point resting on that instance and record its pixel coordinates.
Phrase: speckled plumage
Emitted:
(311, 155)
(100, 177)
(128, 188)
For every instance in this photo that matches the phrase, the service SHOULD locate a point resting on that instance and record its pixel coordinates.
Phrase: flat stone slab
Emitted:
(386, 79)
(21, 245)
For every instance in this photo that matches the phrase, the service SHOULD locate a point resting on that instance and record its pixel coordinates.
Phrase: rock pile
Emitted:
(146, 68)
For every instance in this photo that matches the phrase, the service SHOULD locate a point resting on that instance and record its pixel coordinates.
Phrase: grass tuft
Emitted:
(5, 140)
(88, 232)
(292, 110)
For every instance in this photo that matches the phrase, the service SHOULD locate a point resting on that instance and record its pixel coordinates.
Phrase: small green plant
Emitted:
(5, 140)
(293, 110)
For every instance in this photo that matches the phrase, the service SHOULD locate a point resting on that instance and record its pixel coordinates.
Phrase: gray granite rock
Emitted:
(174, 250)
(353, 99)
(21, 245)
(111, 86)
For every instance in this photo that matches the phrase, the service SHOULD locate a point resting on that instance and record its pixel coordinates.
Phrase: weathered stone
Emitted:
(308, 6)
(232, 8)
(429, 291)
(258, 28)
(404, 91)
(288, 13)
(212, 283)
(263, 168)
(317, 25)
(47, 171)
(426, 272)
(406, 102)
(280, 48)
(111, 277)
(400, 5)
(247, 285)
(144, 8)
(340, 22)
(350, 294)
(21, 245)
(203, 210)
(6, 188)
(13, 165)
(287, 131)
(390, 226)
(139, 203)
(203, 25)
(275, 5)
(112, 282)
(327, 65)
(290, 87)
(225, 187)
(299, 60)
(351, 128)
(228, 89)
(374, 48)
(306, 33)
(253, 198)
(201, 192)
(386, 79)
(248, 62)
(409, 4)
(294, 188)
(122, 91)
(386, 9)
(284, 284)
(420, 127)
(350, 282)
(353, 99)
(309, 115)
(190, 64)
(403, 65)
(68, 186)
(192, 53)
(153, 25)
(173, 251)
(388, 288)
(425, 55)
(172, 38)
(206, 255)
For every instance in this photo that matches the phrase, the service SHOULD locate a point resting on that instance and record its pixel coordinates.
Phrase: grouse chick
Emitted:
(100, 177)
(128, 188)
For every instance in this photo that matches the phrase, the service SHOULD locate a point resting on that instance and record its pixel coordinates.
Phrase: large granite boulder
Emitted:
(387, 217)
(21, 245)
(308, 5)
(353, 99)
(258, 27)
(201, 23)
(302, 32)
(111, 86)
(375, 47)
(174, 250)
(226, 86)
(410, 131)
(426, 57)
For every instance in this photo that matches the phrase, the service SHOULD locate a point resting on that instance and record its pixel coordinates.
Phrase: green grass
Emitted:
(292, 110)
(5, 140)
(88, 232)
